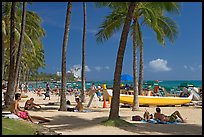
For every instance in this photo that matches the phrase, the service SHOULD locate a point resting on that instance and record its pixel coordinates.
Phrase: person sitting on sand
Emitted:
(30, 104)
(79, 106)
(15, 109)
(147, 116)
(165, 118)
(69, 107)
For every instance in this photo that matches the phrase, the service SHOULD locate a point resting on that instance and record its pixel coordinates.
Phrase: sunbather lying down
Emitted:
(15, 109)
(163, 118)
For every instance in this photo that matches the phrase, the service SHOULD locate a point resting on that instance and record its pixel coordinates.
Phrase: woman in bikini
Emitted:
(30, 104)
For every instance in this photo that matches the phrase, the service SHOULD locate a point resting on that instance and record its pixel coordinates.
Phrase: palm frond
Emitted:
(169, 27)
(111, 25)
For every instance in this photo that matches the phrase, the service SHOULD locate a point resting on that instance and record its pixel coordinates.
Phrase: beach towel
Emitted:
(12, 116)
(157, 121)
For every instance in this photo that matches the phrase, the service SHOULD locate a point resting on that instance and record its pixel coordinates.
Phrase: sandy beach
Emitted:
(88, 123)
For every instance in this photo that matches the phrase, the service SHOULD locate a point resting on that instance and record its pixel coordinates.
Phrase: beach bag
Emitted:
(136, 118)
(70, 109)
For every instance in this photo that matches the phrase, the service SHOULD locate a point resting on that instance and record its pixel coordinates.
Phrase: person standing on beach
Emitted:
(47, 93)
(91, 93)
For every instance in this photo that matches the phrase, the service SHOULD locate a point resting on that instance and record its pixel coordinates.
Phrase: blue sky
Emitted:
(181, 60)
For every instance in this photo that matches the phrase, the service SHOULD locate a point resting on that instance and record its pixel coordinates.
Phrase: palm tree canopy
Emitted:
(149, 13)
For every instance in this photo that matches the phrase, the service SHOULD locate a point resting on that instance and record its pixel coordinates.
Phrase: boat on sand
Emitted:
(150, 100)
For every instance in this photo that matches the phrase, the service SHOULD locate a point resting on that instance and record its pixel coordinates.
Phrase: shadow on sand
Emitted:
(75, 122)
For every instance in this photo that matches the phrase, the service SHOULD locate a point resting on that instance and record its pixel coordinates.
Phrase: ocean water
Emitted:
(167, 84)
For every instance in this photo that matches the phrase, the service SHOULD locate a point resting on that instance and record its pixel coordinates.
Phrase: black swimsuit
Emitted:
(29, 104)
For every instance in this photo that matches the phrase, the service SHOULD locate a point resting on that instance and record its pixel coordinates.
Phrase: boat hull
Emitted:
(150, 100)
(155, 100)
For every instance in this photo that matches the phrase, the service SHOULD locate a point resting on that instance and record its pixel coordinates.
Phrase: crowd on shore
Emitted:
(44, 115)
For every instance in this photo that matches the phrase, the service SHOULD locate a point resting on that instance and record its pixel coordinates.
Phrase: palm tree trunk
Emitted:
(10, 92)
(65, 41)
(18, 81)
(136, 99)
(83, 56)
(2, 47)
(19, 54)
(141, 69)
(114, 111)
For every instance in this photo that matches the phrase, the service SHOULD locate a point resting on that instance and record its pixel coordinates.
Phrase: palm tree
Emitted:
(33, 33)
(65, 41)
(83, 55)
(164, 28)
(114, 111)
(152, 14)
(19, 54)
(10, 93)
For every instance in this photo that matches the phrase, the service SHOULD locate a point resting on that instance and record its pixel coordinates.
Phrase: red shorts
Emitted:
(23, 114)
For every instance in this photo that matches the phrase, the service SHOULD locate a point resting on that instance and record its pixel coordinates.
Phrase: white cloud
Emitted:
(192, 68)
(159, 65)
(87, 69)
(98, 68)
(107, 67)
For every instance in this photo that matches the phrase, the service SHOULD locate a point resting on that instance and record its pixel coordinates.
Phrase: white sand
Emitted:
(75, 123)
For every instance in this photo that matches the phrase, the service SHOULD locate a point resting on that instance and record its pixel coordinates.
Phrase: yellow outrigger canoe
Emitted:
(150, 100)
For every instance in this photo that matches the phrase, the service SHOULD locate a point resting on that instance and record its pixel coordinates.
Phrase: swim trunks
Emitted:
(23, 114)
(172, 118)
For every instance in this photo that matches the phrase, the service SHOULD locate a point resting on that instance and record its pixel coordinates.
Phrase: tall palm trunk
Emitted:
(114, 111)
(141, 73)
(83, 55)
(64, 49)
(2, 47)
(18, 81)
(19, 54)
(10, 92)
(135, 87)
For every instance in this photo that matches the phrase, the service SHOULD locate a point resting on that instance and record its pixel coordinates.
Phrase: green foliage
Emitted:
(116, 123)
(32, 50)
(17, 127)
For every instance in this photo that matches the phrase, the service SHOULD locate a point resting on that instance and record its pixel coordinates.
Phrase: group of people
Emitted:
(29, 104)
(162, 117)
(48, 91)
(22, 113)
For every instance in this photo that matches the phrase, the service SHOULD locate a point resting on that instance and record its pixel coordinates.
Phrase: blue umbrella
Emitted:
(126, 77)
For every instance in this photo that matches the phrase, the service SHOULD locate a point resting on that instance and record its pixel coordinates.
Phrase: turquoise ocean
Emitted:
(169, 85)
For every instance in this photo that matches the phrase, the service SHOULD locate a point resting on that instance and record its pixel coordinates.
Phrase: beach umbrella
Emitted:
(126, 77)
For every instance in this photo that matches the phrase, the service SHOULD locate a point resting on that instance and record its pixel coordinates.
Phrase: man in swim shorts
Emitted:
(165, 118)
(15, 108)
